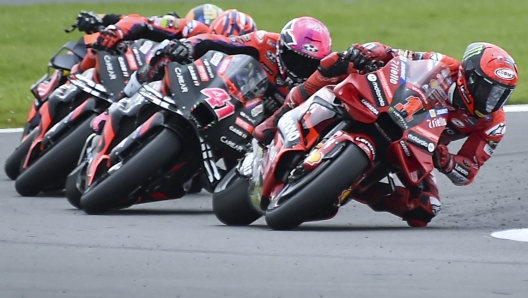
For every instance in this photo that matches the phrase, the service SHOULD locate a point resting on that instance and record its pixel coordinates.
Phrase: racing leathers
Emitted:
(261, 45)
(417, 204)
(134, 26)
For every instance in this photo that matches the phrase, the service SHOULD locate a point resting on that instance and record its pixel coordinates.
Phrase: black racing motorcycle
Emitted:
(67, 115)
(208, 110)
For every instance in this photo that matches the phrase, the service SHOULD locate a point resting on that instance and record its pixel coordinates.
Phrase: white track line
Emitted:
(515, 235)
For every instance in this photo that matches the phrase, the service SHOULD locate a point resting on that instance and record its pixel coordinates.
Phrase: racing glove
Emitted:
(89, 22)
(443, 160)
(180, 51)
(109, 37)
(360, 56)
(357, 57)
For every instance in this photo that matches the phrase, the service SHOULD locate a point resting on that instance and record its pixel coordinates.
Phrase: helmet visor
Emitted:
(299, 65)
(488, 96)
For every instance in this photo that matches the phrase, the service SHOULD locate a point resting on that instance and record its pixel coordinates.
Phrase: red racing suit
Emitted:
(261, 45)
(156, 29)
(418, 205)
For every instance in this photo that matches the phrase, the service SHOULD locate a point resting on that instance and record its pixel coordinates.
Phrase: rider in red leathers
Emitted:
(134, 26)
(481, 84)
(288, 57)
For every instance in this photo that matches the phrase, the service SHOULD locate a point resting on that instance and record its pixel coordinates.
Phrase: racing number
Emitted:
(219, 100)
(413, 105)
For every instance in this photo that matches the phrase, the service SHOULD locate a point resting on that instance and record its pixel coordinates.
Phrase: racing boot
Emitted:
(417, 211)
(265, 131)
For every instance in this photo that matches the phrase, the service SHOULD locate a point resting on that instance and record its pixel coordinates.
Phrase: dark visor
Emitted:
(488, 96)
(300, 65)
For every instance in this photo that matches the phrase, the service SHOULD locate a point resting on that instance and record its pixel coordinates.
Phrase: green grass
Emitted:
(29, 35)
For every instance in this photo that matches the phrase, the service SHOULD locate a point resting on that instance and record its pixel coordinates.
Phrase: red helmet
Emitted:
(488, 75)
(233, 23)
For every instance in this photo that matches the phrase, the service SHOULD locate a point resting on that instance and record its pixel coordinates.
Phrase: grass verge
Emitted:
(31, 34)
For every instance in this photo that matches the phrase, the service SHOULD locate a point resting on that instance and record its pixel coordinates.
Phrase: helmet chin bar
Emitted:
(455, 97)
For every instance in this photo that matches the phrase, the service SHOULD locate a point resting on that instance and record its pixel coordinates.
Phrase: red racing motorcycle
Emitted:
(341, 141)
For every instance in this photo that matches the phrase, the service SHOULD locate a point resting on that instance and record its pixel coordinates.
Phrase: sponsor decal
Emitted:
(289, 129)
(246, 126)
(193, 75)
(181, 80)
(271, 56)
(248, 118)
(505, 74)
(123, 66)
(189, 28)
(463, 171)
(399, 119)
(442, 112)
(368, 105)
(496, 130)
(217, 57)
(368, 144)
(421, 142)
(436, 122)
(137, 56)
(109, 67)
(394, 73)
(238, 132)
(232, 144)
(405, 148)
(310, 48)
(375, 88)
(403, 70)
(223, 67)
(266, 68)
(426, 133)
(257, 110)
(131, 61)
(458, 123)
(202, 73)
(432, 113)
(208, 68)
(314, 158)
(488, 150)
(260, 34)
(220, 101)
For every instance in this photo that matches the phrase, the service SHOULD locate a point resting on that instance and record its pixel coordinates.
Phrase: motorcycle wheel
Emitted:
(49, 172)
(231, 202)
(135, 170)
(318, 191)
(14, 163)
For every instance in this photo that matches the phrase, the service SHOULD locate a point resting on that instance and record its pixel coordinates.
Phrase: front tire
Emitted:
(231, 203)
(73, 193)
(15, 162)
(135, 171)
(324, 187)
(52, 168)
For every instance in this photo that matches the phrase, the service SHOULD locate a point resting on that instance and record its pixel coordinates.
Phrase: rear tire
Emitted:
(52, 168)
(136, 170)
(231, 204)
(15, 162)
(321, 192)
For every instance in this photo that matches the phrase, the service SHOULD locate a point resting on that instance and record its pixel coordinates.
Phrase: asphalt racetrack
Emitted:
(178, 248)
